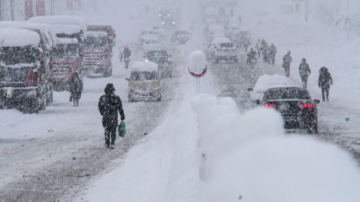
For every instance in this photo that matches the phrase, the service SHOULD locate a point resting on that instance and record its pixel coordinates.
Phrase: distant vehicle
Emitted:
(160, 31)
(164, 14)
(223, 49)
(217, 34)
(151, 42)
(240, 35)
(25, 72)
(162, 59)
(214, 27)
(144, 82)
(68, 56)
(299, 111)
(98, 50)
(147, 32)
(169, 22)
(180, 36)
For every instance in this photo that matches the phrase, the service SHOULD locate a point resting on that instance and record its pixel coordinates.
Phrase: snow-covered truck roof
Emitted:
(16, 37)
(144, 66)
(96, 34)
(111, 34)
(64, 20)
(218, 40)
(66, 29)
(47, 36)
(67, 41)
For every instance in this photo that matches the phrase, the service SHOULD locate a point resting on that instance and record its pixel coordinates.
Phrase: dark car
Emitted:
(163, 59)
(180, 36)
(295, 105)
(169, 22)
(163, 14)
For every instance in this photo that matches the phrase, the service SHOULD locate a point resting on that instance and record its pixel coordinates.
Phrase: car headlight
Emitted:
(146, 60)
(159, 15)
(168, 59)
(173, 22)
(163, 23)
(31, 93)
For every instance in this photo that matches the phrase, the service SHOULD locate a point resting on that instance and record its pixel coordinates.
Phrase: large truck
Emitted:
(25, 71)
(98, 50)
(67, 57)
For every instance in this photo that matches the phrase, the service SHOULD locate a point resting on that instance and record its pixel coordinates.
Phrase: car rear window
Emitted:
(286, 93)
(142, 76)
(226, 45)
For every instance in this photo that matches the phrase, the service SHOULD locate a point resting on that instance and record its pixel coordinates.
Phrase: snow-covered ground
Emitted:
(198, 147)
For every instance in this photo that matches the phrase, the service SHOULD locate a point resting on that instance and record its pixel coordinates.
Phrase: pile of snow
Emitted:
(144, 66)
(266, 81)
(67, 41)
(19, 37)
(66, 29)
(197, 62)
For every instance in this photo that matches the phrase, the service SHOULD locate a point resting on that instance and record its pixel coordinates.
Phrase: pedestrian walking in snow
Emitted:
(273, 52)
(325, 80)
(304, 71)
(109, 106)
(76, 87)
(258, 47)
(286, 63)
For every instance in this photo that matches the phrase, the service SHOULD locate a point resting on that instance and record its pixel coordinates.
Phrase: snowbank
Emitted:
(19, 37)
(197, 62)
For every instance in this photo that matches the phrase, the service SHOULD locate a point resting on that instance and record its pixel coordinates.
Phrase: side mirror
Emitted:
(257, 102)
(250, 89)
(127, 79)
(317, 101)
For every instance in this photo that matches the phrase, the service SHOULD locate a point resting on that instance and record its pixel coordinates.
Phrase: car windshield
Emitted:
(156, 54)
(286, 93)
(96, 42)
(65, 50)
(142, 76)
(226, 45)
(17, 55)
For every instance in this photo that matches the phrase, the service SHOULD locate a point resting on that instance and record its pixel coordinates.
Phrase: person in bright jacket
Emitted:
(258, 47)
(109, 106)
(304, 71)
(325, 80)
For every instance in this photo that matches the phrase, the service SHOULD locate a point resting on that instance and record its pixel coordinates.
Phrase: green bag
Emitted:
(122, 129)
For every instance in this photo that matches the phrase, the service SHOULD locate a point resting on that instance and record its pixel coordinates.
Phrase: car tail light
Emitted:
(269, 105)
(307, 105)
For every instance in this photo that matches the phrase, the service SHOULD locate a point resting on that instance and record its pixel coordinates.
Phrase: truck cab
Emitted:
(98, 50)
(25, 70)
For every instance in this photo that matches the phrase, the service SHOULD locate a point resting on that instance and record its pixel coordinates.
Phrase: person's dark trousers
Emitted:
(110, 132)
(304, 81)
(272, 57)
(325, 93)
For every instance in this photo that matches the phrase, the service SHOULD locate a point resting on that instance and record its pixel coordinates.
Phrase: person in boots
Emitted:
(325, 81)
(109, 106)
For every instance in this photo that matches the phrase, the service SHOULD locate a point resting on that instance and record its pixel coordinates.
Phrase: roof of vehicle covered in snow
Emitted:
(97, 34)
(144, 66)
(16, 37)
(69, 20)
(66, 41)
(218, 40)
(215, 27)
(43, 28)
(151, 37)
(66, 29)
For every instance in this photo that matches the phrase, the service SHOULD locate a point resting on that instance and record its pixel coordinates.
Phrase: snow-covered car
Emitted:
(299, 111)
(146, 33)
(223, 49)
(152, 42)
(160, 31)
(265, 82)
(216, 34)
(169, 22)
(210, 21)
(164, 13)
(214, 27)
(144, 82)
(180, 36)
(162, 59)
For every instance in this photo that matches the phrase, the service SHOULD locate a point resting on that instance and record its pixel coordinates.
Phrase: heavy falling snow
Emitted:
(212, 111)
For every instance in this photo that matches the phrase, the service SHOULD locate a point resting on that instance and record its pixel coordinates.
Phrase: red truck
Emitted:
(98, 50)
(25, 71)
(67, 57)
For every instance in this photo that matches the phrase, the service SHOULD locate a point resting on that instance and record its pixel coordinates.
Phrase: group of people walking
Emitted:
(267, 51)
(324, 81)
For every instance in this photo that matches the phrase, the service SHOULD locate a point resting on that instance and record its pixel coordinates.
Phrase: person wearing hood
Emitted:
(304, 71)
(109, 105)
(325, 80)
(286, 63)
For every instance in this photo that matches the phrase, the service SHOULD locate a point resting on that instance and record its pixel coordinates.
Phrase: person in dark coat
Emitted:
(273, 52)
(304, 71)
(76, 87)
(127, 52)
(286, 63)
(109, 106)
(325, 80)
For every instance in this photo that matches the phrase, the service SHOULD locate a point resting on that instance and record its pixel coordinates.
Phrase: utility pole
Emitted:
(12, 10)
(306, 10)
